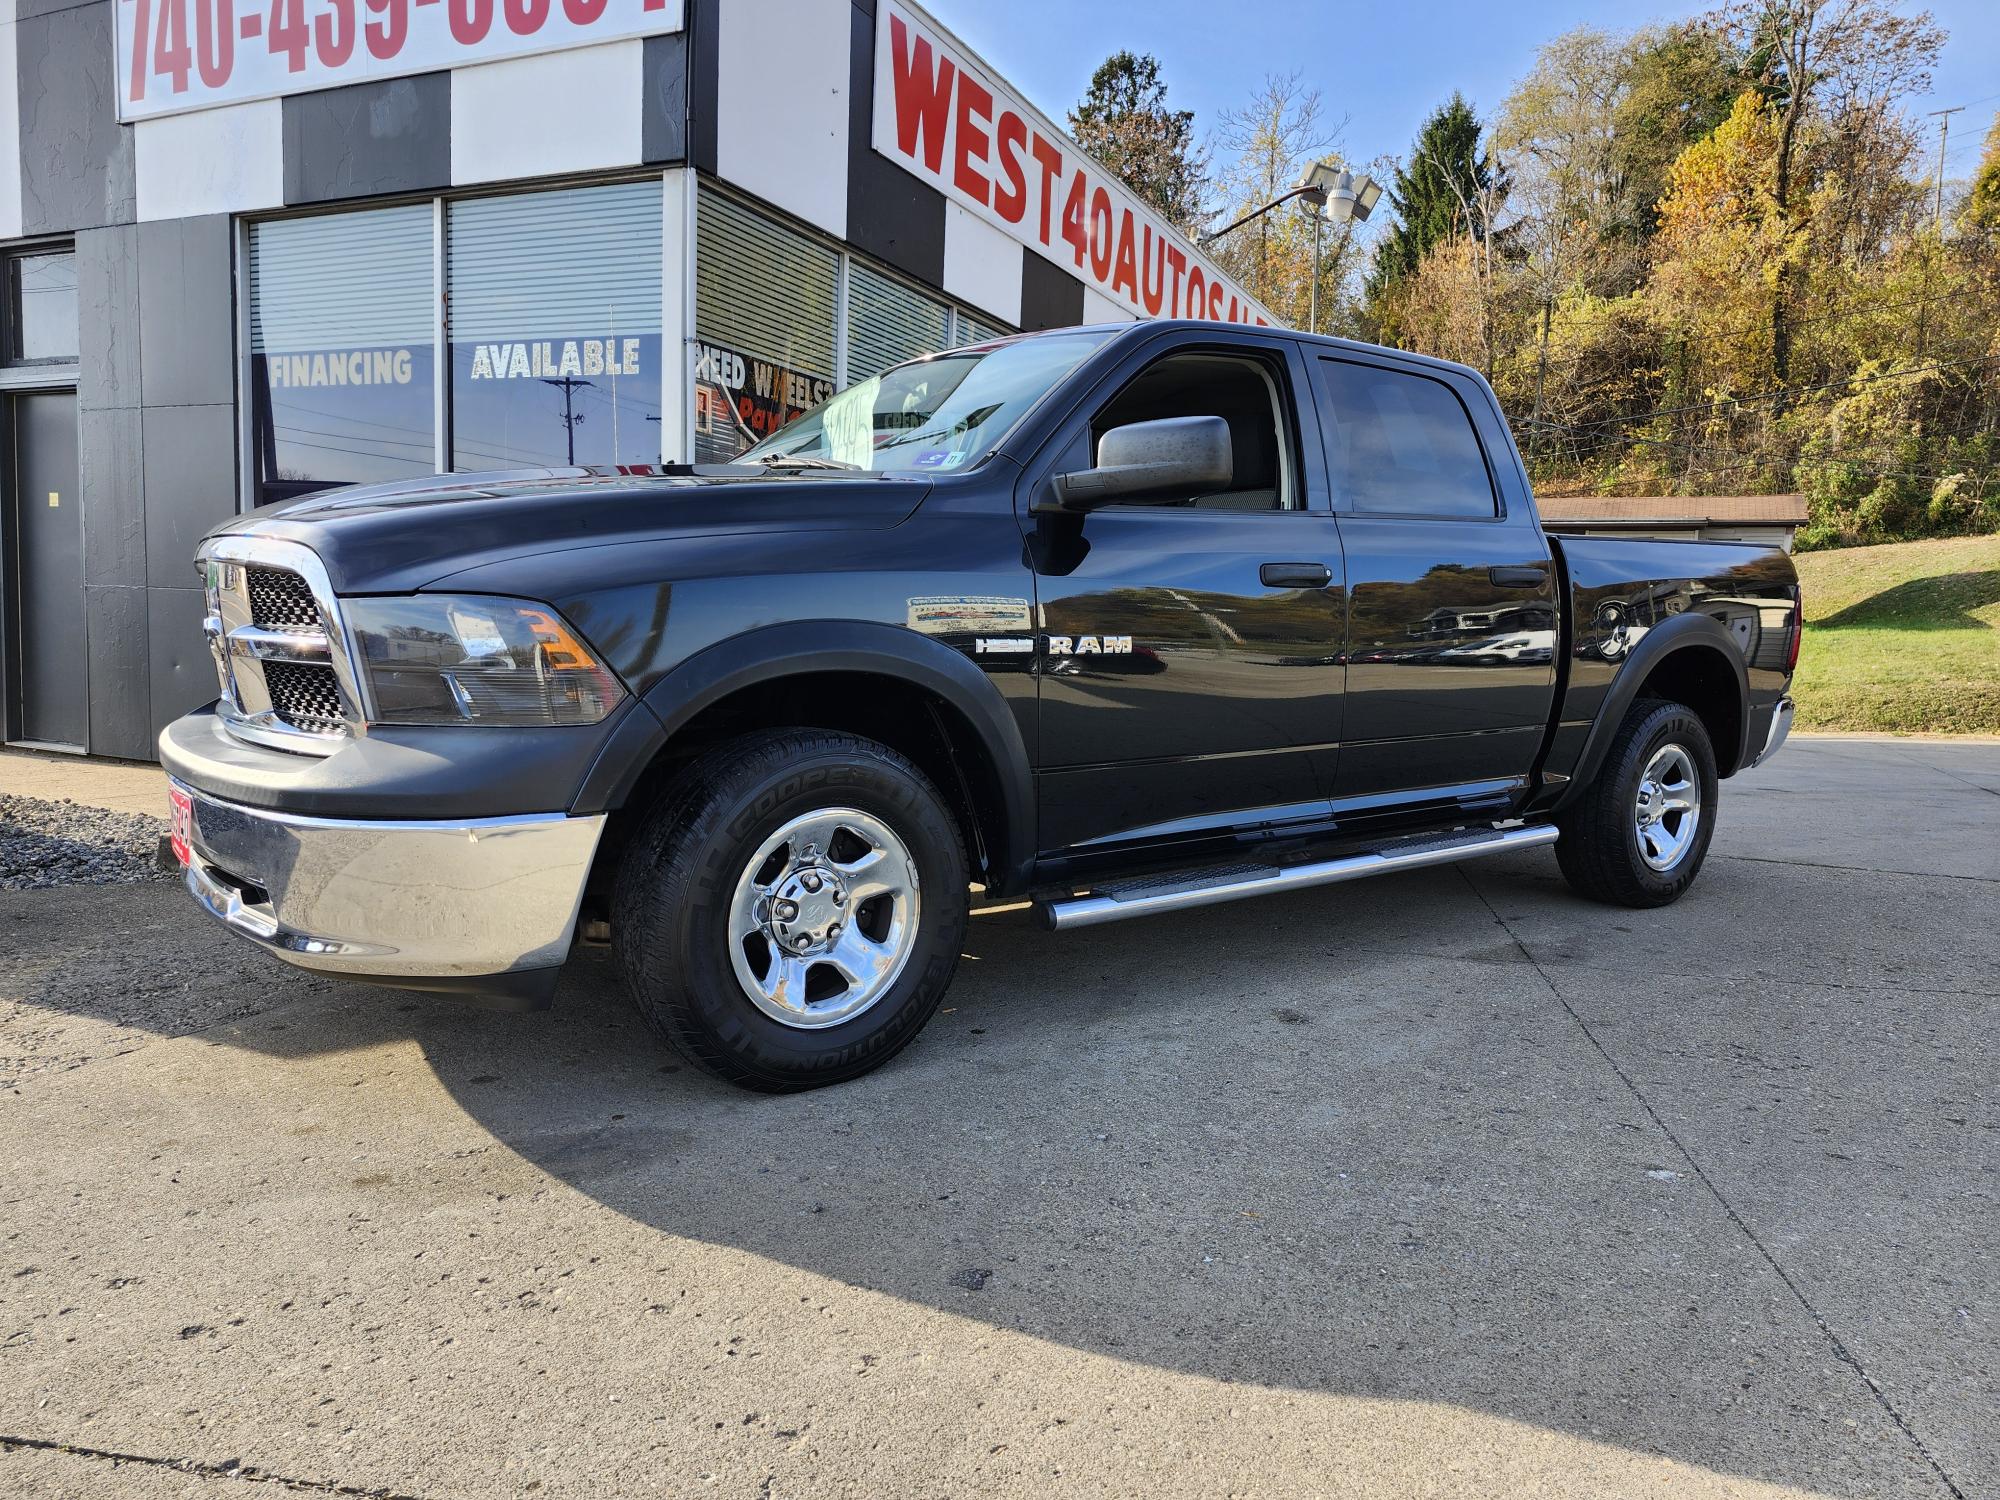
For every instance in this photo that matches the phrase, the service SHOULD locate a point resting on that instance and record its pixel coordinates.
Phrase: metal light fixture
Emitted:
(1337, 194)
(1346, 198)
(1334, 193)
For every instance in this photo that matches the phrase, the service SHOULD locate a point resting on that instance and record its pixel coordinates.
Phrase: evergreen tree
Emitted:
(1439, 194)
(1123, 120)
(1982, 205)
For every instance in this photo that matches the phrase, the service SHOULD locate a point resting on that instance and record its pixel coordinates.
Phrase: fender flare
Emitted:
(1685, 632)
(805, 647)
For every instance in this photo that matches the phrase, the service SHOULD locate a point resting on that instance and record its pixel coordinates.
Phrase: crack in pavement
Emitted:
(233, 1469)
(1808, 864)
(1840, 1350)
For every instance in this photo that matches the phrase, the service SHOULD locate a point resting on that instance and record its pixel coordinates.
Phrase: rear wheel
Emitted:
(790, 912)
(1637, 836)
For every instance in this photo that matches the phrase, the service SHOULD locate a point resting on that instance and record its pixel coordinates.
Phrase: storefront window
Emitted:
(764, 316)
(888, 323)
(555, 327)
(43, 293)
(341, 311)
(968, 329)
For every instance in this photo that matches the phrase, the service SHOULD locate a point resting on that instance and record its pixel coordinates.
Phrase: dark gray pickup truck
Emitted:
(1127, 620)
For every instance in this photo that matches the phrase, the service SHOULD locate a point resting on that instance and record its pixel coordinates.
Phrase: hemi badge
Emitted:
(1004, 645)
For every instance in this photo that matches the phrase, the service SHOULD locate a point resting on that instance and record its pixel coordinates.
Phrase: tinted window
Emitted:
(555, 327)
(342, 315)
(44, 293)
(1400, 444)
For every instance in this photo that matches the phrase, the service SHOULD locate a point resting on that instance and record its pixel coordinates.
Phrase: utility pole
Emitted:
(1943, 117)
(570, 385)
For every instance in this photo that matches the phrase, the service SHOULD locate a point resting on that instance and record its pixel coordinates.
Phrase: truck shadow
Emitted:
(1375, 1159)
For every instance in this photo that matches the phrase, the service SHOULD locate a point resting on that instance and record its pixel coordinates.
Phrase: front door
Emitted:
(1190, 645)
(48, 582)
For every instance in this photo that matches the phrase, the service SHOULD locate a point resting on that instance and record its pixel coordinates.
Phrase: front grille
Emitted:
(280, 600)
(305, 695)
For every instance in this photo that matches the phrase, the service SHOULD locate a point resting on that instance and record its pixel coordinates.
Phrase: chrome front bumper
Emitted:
(1780, 731)
(483, 905)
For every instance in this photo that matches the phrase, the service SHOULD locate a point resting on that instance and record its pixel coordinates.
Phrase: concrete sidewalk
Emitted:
(116, 785)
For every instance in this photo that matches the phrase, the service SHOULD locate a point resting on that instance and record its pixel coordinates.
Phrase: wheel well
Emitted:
(910, 720)
(1701, 678)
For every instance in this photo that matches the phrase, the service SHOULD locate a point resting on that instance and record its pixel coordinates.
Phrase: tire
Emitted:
(697, 930)
(1607, 852)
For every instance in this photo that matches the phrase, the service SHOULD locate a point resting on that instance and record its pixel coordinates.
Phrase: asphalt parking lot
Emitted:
(1444, 1184)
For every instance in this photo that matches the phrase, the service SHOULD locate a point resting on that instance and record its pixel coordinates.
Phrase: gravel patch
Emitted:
(48, 844)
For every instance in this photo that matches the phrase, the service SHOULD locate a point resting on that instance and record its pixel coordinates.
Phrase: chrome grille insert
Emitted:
(281, 600)
(281, 651)
(305, 697)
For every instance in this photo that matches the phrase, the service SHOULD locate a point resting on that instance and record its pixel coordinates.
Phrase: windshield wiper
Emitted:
(805, 461)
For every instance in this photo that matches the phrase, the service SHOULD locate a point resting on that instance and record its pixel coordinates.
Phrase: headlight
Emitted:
(467, 659)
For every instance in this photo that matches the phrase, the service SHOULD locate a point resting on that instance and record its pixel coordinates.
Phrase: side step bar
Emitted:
(1117, 900)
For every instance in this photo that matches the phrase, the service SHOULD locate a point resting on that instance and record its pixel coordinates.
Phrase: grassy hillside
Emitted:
(1902, 638)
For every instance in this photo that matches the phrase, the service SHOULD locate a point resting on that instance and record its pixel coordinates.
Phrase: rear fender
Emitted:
(1678, 633)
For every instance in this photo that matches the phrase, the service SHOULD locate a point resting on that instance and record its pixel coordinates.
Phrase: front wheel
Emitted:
(790, 912)
(1637, 835)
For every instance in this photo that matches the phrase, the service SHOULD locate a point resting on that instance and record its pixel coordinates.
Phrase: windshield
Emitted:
(930, 415)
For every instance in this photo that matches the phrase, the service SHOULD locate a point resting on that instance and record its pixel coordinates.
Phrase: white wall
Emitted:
(677, 317)
(781, 105)
(214, 161)
(575, 111)
(981, 265)
(10, 128)
(1098, 308)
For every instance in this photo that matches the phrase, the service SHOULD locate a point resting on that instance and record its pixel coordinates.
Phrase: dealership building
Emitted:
(256, 248)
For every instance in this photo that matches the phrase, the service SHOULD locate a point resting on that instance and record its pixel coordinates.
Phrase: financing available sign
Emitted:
(940, 114)
(176, 55)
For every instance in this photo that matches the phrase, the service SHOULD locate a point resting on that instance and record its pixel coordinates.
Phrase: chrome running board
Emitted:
(1116, 900)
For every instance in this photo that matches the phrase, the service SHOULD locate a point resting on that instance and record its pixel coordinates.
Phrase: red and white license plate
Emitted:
(182, 816)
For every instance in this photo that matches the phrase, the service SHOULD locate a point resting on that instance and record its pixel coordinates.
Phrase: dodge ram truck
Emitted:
(1122, 621)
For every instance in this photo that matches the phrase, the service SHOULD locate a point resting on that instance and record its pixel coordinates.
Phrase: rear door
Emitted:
(1189, 650)
(1451, 625)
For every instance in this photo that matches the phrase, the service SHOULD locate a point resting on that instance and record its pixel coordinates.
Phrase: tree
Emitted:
(1837, 59)
(1559, 126)
(1982, 204)
(1680, 82)
(1271, 142)
(1437, 195)
(1123, 120)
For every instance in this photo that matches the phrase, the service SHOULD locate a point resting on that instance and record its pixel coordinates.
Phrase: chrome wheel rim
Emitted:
(824, 917)
(1667, 810)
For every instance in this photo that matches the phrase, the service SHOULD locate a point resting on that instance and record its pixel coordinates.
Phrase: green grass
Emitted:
(1902, 638)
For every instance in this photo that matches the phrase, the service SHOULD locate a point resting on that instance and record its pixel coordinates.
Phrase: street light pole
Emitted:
(1348, 200)
(1327, 187)
(1312, 324)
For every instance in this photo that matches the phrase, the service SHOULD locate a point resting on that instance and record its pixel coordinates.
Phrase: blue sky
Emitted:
(1387, 66)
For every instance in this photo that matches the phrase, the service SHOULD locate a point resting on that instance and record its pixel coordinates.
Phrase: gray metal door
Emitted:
(48, 582)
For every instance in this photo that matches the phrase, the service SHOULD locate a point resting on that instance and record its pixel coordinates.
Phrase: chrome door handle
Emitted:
(1295, 575)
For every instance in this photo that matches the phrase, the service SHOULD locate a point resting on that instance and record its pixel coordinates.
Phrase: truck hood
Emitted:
(396, 538)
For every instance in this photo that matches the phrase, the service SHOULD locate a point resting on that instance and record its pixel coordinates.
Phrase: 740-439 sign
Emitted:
(176, 55)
